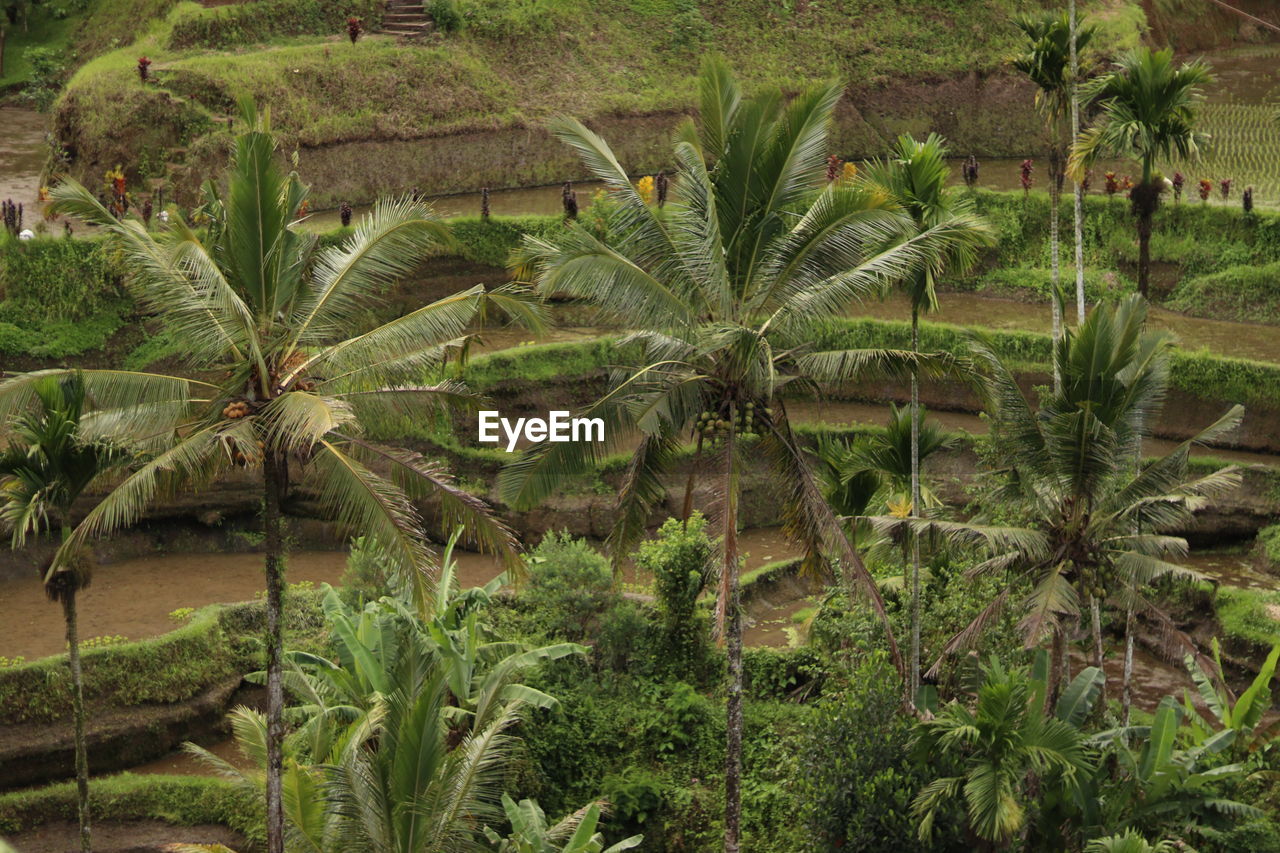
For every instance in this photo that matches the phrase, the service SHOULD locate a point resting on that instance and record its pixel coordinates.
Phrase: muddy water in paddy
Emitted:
(133, 598)
(22, 154)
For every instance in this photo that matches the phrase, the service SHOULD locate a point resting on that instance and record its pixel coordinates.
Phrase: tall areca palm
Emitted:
(915, 177)
(1148, 112)
(1015, 733)
(270, 315)
(1069, 467)
(727, 288)
(51, 459)
(1051, 62)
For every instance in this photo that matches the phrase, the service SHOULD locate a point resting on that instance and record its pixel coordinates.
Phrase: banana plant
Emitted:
(1159, 787)
(1242, 716)
(576, 833)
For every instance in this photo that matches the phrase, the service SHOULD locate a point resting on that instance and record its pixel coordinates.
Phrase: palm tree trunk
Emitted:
(914, 684)
(1055, 200)
(1078, 189)
(77, 706)
(1057, 668)
(273, 482)
(1144, 253)
(1126, 697)
(733, 728)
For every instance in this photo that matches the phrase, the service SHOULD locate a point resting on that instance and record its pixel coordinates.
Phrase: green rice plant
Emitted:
(1244, 145)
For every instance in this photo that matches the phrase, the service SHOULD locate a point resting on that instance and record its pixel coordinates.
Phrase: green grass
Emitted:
(43, 30)
(1245, 293)
(178, 800)
(1249, 615)
(517, 62)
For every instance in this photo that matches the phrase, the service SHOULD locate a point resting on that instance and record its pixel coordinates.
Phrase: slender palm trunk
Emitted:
(733, 729)
(273, 484)
(1078, 187)
(1126, 696)
(77, 706)
(1095, 611)
(1055, 202)
(914, 684)
(1057, 668)
(1144, 253)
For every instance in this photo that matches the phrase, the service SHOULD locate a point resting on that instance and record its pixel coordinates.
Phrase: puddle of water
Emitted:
(180, 763)
(22, 155)
(1232, 569)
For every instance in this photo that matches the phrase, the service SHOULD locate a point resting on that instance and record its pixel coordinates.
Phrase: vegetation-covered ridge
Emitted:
(506, 64)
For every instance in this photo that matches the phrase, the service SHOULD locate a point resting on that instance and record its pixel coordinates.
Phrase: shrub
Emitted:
(1269, 545)
(780, 673)
(680, 560)
(48, 65)
(446, 15)
(856, 780)
(570, 587)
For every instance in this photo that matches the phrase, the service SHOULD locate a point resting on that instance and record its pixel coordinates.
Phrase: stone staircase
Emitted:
(407, 19)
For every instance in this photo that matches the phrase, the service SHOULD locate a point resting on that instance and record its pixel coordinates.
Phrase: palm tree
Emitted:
(1069, 467)
(1148, 111)
(915, 176)
(402, 743)
(51, 459)
(876, 469)
(1015, 747)
(727, 287)
(269, 316)
(1051, 63)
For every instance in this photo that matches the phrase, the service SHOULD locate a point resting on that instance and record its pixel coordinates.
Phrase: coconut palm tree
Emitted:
(51, 459)
(1069, 467)
(915, 177)
(728, 288)
(1051, 62)
(290, 383)
(1148, 111)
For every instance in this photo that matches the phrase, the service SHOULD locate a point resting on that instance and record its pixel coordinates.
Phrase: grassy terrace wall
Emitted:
(465, 109)
(216, 643)
(178, 800)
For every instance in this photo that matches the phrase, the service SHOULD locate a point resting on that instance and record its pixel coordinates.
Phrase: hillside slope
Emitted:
(462, 109)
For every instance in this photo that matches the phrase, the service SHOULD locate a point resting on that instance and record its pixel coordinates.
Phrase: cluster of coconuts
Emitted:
(748, 421)
(237, 409)
(1093, 581)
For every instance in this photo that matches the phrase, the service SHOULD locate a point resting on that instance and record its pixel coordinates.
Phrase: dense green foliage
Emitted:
(58, 297)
